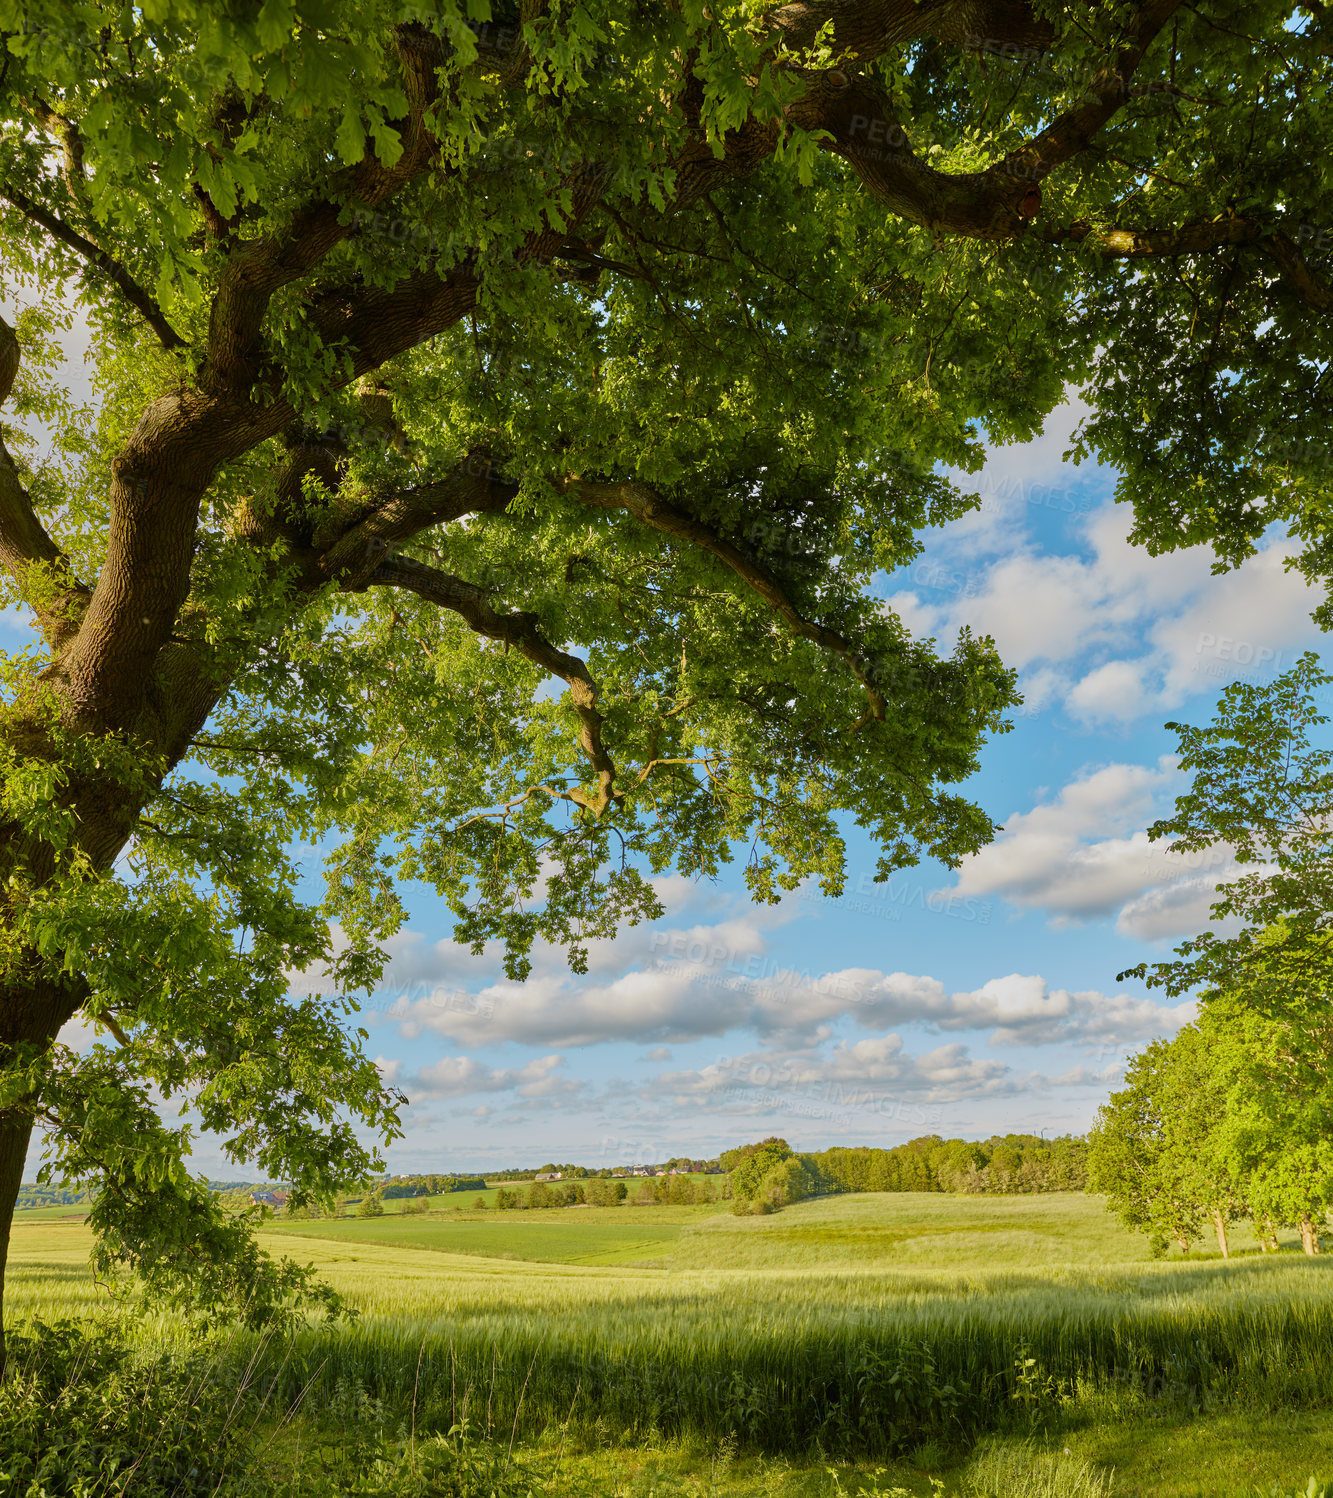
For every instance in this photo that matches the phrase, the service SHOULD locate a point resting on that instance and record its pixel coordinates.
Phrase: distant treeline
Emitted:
(770, 1175)
(597, 1191)
(1000, 1165)
(430, 1185)
(570, 1172)
(49, 1196)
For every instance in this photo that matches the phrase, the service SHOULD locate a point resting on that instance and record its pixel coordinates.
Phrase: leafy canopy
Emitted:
(503, 418)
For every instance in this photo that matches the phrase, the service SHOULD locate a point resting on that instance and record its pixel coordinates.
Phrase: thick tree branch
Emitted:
(24, 543)
(1200, 238)
(857, 120)
(258, 268)
(520, 630)
(474, 487)
(854, 116)
(109, 266)
(651, 510)
(1108, 91)
(865, 29)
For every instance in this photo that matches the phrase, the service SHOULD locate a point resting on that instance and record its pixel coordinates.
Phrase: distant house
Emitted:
(549, 1175)
(269, 1198)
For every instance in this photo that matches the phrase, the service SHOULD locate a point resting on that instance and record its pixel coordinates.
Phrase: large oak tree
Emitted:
(502, 414)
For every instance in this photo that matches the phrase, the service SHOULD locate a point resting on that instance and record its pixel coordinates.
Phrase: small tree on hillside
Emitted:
(1131, 1162)
(1278, 1129)
(1194, 1090)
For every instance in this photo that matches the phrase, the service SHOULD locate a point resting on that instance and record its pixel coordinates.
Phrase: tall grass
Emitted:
(797, 1363)
(838, 1360)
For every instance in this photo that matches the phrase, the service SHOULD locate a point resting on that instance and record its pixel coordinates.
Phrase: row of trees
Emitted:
(599, 1191)
(770, 1175)
(1234, 1117)
(431, 1185)
(1002, 1164)
(1229, 1120)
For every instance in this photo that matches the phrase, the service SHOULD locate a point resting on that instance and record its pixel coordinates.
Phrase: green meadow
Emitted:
(920, 1336)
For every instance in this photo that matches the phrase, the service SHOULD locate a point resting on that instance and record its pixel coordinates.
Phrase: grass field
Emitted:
(926, 1333)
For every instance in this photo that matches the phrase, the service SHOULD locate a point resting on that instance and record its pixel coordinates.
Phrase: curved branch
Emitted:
(110, 267)
(854, 118)
(520, 630)
(864, 29)
(473, 487)
(1070, 133)
(648, 507)
(1199, 238)
(24, 543)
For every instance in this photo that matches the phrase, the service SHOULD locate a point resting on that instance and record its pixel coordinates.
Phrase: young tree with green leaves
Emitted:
(444, 350)
(1194, 1090)
(1261, 790)
(372, 1204)
(1278, 1131)
(1132, 1160)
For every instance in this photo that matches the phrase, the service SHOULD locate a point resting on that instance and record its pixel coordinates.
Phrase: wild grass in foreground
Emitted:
(922, 1371)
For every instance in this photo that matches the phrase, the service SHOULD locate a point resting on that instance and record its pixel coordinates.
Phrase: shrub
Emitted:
(78, 1415)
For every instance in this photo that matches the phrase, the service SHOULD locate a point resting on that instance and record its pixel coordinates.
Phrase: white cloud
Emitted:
(701, 987)
(1123, 634)
(1115, 690)
(458, 1076)
(1050, 858)
(1171, 910)
(1085, 856)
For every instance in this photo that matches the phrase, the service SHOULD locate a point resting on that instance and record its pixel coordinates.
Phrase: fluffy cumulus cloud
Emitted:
(1108, 631)
(460, 1076)
(1085, 855)
(690, 984)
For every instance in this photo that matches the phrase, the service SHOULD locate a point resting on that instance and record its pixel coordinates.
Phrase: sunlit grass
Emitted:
(868, 1323)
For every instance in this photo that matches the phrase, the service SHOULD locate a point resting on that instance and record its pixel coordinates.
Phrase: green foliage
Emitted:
(1228, 1119)
(83, 1415)
(1264, 790)
(750, 1164)
(1003, 1164)
(80, 1415)
(371, 1205)
(1134, 1158)
(779, 360)
(1236, 1110)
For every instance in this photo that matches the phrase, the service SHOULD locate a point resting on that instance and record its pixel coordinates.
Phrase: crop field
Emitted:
(631, 1238)
(894, 1329)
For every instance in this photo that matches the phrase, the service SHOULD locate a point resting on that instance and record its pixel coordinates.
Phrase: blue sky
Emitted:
(954, 1002)
(962, 1003)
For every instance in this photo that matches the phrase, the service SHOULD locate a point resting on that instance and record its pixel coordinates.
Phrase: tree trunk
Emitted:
(1268, 1236)
(31, 1015)
(1309, 1236)
(1219, 1222)
(15, 1131)
(1184, 1245)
